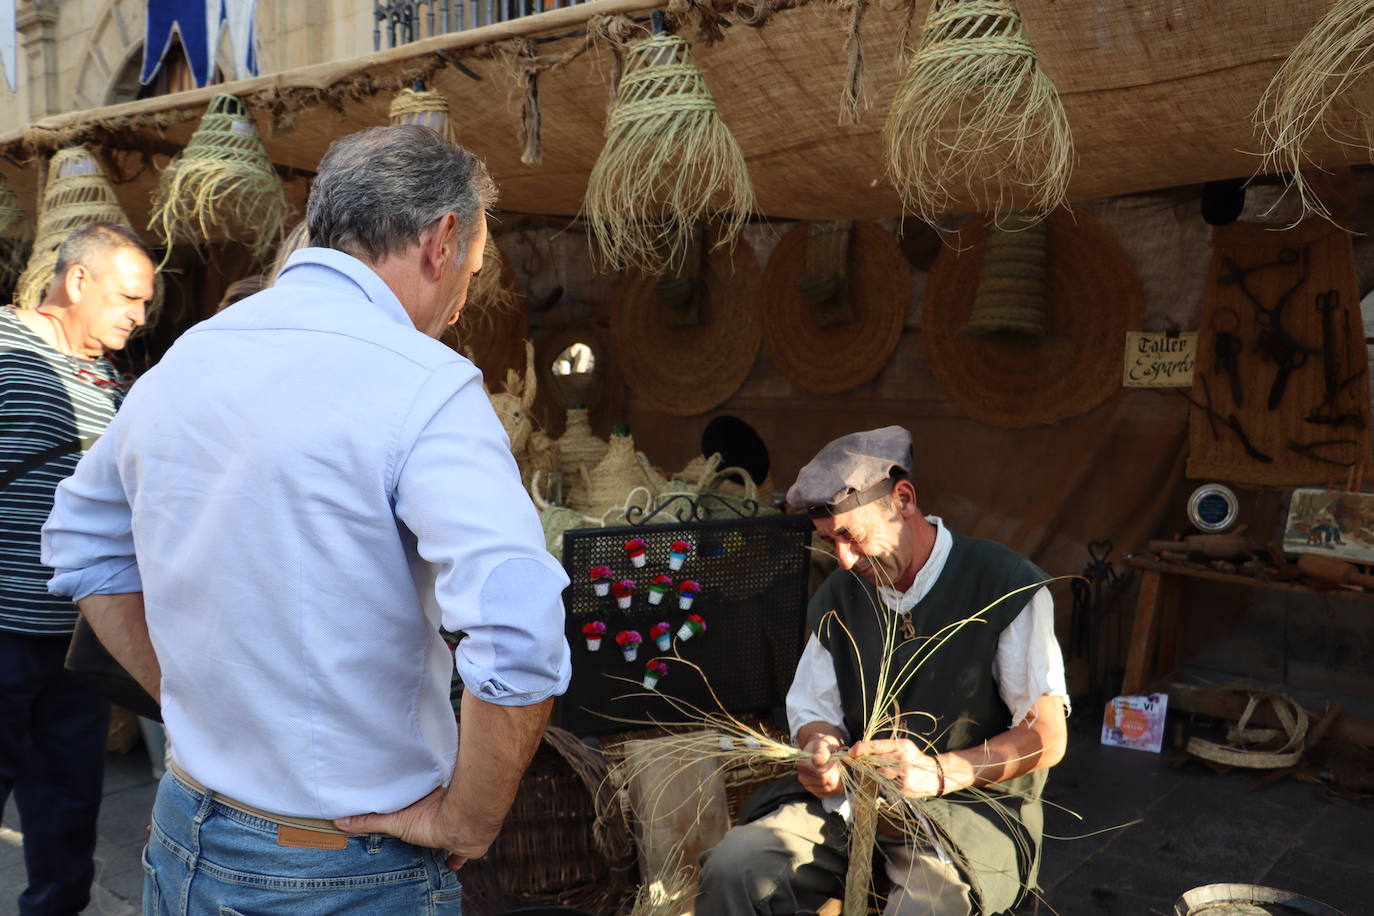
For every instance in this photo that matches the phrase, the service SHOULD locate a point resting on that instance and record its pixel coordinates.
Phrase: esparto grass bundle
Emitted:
(975, 121)
(77, 194)
(487, 293)
(669, 162)
(1323, 84)
(222, 185)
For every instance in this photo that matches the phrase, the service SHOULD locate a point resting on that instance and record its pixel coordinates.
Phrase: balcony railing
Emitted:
(399, 22)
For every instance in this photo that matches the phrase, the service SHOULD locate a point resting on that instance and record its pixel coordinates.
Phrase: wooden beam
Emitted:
(1230, 704)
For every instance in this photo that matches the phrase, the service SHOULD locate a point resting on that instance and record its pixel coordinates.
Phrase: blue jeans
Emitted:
(206, 858)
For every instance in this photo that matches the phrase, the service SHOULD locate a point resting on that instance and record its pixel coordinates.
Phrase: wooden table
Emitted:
(1153, 649)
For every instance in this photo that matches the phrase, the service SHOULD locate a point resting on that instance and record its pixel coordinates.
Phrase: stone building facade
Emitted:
(78, 54)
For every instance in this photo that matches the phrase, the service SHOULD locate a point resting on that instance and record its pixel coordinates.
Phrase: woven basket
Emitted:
(604, 488)
(1093, 298)
(683, 369)
(565, 841)
(836, 357)
(77, 195)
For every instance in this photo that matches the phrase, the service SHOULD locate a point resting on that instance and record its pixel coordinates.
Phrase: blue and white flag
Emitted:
(241, 18)
(198, 23)
(9, 45)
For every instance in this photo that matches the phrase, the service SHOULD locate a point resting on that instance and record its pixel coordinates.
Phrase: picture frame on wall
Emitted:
(1338, 523)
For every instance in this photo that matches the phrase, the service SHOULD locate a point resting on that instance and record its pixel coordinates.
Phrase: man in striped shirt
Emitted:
(58, 392)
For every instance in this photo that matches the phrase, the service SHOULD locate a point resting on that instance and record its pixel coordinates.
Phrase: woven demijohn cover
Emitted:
(688, 369)
(579, 447)
(669, 163)
(492, 289)
(1093, 297)
(827, 360)
(222, 185)
(78, 194)
(605, 487)
(975, 117)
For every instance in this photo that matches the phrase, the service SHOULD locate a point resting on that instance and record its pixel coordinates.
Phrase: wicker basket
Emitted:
(565, 841)
(741, 779)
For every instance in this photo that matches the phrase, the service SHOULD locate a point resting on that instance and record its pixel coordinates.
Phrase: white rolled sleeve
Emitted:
(458, 491)
(88, 538)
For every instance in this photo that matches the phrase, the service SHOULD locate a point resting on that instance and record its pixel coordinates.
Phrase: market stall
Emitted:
(1073, 334)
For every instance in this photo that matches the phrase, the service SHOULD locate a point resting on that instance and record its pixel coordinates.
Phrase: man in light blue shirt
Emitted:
(273, 530)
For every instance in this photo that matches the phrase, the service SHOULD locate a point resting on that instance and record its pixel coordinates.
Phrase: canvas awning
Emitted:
(1159, 93)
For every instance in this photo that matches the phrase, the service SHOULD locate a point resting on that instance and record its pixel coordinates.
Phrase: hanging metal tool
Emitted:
(1309, 450)
(1226, 347)
(1230, 421)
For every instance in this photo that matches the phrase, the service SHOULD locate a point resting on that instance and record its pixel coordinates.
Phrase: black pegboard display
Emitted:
(753, 577)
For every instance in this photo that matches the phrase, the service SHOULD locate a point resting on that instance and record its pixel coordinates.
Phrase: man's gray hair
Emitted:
(87, 243)
(379, 189)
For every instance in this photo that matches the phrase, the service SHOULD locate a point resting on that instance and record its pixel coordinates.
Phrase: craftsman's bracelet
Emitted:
(940, 774)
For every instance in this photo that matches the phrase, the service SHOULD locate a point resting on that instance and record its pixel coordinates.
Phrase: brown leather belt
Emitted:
(308, 832)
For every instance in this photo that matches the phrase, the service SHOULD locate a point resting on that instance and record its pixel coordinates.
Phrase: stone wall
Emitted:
(76, 54)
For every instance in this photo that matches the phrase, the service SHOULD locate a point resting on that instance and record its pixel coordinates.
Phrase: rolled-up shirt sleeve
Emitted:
(88, 538)
(458, 491)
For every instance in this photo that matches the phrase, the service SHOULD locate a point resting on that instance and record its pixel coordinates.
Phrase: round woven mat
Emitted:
(840, 357)
(1094, 297)
(494, 338)
(684, 371)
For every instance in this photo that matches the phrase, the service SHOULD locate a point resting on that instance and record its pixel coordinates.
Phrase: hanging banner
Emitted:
(241, 18)
(198, 24)
(187, 20)
(9, 45)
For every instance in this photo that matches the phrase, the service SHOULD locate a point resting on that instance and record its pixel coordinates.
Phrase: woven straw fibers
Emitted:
(843, 356)
(669, 163)
(222, 185)
(975, 118)
(687, 370)
(77, 195)
(1093, 297)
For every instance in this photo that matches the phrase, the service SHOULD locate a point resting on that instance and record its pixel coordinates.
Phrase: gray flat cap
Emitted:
(851, 471)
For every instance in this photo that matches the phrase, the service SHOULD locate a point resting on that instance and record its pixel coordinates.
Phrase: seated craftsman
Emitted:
(986, 709)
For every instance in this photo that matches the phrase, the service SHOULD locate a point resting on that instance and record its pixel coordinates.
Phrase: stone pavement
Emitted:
(1198, 828)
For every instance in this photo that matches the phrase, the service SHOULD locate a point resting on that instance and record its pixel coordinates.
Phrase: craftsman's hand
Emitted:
(420, 824)
(914, 773)
(820, 775)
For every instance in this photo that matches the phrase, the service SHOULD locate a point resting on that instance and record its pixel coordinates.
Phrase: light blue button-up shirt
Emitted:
(304, 489)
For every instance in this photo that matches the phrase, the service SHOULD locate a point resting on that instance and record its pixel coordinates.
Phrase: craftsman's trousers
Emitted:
(52, 759)
(794, 860)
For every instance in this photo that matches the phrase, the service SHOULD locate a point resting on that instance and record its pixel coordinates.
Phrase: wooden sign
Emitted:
(1159, 359)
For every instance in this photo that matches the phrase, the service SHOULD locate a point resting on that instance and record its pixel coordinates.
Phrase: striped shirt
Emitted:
(46, 398)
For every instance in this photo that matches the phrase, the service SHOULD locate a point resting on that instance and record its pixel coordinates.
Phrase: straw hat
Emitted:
(838, 357)
(1093, 297)
(685, 369)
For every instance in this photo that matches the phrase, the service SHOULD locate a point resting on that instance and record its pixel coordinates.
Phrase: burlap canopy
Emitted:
(1157, 94)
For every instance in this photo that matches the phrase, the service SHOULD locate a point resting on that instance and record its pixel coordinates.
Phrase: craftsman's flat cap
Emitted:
(851, 471)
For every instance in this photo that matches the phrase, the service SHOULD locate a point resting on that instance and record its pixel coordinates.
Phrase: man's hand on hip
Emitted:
(422, 825)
